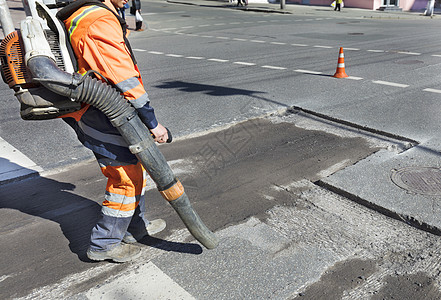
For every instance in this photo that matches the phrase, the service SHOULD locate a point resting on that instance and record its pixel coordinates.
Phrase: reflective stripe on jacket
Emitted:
(98, 42)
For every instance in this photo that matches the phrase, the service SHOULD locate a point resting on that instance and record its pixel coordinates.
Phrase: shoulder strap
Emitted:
(67, 11)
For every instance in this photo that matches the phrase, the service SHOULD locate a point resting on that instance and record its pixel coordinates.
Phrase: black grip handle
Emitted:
(170, 137)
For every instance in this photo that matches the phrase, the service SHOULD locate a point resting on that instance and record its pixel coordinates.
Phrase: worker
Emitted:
(98, 38)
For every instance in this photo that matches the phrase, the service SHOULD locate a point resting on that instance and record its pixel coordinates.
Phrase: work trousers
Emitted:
(124, 206)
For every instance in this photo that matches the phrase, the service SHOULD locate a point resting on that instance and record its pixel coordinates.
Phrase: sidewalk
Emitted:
(299, 9)
(18, 14)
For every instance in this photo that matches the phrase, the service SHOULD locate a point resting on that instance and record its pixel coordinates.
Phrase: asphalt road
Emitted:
(194, 56)
(283, 192)
(253, 186)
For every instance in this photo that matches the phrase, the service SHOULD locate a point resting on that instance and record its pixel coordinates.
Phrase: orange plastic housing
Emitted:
(14, 71)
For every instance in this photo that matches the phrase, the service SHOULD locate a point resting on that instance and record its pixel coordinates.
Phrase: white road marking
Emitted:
(274, 67)
(15, 164)
(409, 53)
(145, 281)
(278, 43)
(299, 45)
(436, 55)
(326, 47)
(139, 50)
(390, 83)
(394, 84)
(432, 90)
(244, 63)
(354, 78)
(257, 41)
(241, 40)
(351, 49)
(307, 71)
(218, 60)
(3, 277)
(376, 51)
(195, 57)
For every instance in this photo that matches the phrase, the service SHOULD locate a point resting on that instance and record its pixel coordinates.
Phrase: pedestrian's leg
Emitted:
(138, 25)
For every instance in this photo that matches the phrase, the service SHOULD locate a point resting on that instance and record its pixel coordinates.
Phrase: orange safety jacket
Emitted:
(97, 38)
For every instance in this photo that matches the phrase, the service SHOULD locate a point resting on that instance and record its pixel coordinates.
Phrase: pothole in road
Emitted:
(419, 180)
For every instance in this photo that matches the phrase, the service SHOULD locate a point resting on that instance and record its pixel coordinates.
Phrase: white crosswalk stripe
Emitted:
(15, 164)
(146, 281)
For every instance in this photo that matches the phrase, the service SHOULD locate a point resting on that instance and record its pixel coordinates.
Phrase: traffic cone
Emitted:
(341, 73)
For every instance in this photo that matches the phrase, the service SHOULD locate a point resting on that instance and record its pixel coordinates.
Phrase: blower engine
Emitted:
(36, 101)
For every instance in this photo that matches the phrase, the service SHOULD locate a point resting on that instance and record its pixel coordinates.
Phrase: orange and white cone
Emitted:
(341, 73)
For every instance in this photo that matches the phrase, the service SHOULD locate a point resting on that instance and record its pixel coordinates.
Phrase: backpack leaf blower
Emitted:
(36, 64)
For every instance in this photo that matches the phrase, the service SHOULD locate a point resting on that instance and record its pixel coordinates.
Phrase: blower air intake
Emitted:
(36, 101)
(13, 67)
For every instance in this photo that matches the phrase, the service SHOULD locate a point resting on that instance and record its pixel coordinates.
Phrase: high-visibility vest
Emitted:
(98, 41)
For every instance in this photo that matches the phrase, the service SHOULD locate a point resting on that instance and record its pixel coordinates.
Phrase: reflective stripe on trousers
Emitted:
(124, 205)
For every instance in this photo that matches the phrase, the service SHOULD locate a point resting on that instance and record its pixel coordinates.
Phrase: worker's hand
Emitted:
(160, 134)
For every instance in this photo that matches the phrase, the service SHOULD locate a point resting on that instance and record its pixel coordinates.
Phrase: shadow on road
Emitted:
(54, 200)
(51, 200)
(215, 90)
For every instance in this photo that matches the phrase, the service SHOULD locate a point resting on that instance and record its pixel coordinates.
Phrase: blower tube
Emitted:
(124, 117)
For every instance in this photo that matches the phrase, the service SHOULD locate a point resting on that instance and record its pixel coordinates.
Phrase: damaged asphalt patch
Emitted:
(282, 236)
